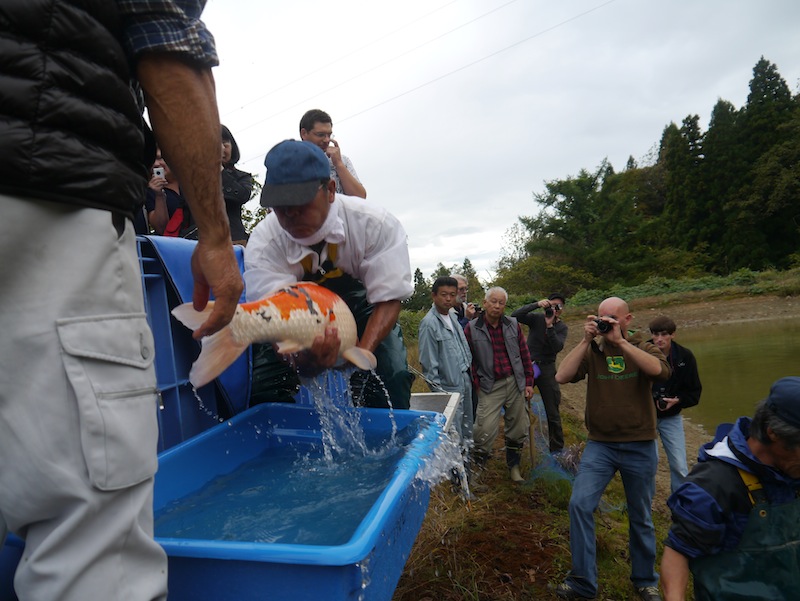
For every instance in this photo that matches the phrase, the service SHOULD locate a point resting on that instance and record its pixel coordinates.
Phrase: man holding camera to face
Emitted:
(547, 334)
(620, 367)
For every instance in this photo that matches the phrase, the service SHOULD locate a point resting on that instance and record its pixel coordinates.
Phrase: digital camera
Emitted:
(659, 399)
(604, 326)
(548, 312)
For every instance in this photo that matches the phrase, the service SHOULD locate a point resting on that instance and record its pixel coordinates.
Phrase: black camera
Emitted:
(659, 398)
(548, 312)
(604, 326)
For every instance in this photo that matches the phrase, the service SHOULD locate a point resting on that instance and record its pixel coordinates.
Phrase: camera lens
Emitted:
(549, 312)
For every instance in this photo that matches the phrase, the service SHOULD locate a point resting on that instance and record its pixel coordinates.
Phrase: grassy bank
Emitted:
(508, 544)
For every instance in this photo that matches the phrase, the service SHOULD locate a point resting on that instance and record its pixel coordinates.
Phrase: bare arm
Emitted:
(569, 365)
(674, 575)
(182, 105)
(380, 323)
(350, 185)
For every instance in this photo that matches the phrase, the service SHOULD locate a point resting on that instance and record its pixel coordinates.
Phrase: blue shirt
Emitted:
(171, 26)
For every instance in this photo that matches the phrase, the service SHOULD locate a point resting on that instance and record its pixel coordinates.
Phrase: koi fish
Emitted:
(290, 318)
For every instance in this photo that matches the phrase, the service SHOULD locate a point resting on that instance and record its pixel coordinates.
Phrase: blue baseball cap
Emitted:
(784, 400)
(294, 172)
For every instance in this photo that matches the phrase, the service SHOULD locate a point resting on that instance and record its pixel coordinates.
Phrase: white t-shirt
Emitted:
(372, 246)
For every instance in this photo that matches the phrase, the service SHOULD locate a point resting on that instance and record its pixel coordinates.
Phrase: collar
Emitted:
(332, 230)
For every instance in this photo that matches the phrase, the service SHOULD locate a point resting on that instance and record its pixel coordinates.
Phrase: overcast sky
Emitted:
(455, 112)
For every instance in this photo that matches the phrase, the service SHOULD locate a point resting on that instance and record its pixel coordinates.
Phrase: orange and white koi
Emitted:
(290, 318)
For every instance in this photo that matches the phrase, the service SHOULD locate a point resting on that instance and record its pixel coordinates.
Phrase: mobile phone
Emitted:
(158, 172)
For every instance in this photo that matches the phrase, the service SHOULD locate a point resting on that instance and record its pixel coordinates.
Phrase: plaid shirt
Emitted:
(172, 26)
(502, 362)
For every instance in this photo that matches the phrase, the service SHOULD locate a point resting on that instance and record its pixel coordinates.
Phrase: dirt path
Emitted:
(687, 315)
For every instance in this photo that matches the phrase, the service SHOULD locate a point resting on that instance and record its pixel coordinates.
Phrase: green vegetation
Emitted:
(742, 282)
(719, 203)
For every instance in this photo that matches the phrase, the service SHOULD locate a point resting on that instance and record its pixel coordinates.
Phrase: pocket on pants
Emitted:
(109, 363)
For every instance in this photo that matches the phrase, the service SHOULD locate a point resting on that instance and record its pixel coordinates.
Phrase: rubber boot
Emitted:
(513, 458)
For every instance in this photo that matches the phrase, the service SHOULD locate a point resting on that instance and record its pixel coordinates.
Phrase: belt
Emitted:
(544, 362)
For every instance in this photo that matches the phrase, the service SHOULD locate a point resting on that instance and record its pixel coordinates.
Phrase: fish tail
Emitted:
(192, 319)
(219, 351)
(361, 358)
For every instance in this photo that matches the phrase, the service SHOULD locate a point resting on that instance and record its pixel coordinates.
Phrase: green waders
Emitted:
(766, 564)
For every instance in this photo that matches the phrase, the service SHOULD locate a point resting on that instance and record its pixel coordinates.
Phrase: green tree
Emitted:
(421, 298)
(764, 130)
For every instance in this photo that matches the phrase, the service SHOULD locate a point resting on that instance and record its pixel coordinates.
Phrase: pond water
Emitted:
(738, 362)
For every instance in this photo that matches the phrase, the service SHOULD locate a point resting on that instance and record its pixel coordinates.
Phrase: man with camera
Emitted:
(681, 391)
(619, 367)
(547, 334)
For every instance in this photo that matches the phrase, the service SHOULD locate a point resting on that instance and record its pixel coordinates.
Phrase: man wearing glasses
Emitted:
(547, 334)
(464, 311)
(316, 127)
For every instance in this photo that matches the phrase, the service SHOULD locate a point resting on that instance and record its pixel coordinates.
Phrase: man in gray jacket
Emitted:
(444, 353)
(504, 373)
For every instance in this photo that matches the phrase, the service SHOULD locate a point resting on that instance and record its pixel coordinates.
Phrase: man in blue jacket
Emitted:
(736, 518)
(444, 353)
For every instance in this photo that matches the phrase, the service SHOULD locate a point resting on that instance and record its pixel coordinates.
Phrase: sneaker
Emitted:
(648, 593)
(565, 591)
(516, 476)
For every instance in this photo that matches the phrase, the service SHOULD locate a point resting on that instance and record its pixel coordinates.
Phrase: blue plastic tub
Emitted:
(194, 448)
(367, 567)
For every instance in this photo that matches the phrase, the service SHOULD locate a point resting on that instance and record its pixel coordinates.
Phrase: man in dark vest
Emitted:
(78, 396)
(354, 248)
(736, 518)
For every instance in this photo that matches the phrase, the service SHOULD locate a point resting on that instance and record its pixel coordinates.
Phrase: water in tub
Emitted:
(284, 495)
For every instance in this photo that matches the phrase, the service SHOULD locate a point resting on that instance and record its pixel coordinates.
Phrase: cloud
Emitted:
(455, 113)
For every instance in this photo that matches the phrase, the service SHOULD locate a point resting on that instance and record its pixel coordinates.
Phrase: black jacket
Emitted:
(684, 382)
(71, 128)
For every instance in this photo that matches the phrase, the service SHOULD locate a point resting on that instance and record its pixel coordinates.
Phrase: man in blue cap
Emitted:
(354, 248)
(736, 518)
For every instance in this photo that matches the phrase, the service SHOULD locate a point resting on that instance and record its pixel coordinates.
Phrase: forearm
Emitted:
(384, 317)
(649, 364)
(569, 365)
(674, 575)
(523, 311)
(350, 185)
(183, 112)
(159, 216)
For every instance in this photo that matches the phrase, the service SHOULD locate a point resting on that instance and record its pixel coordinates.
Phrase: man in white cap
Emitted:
(356, 249)
(736, 518)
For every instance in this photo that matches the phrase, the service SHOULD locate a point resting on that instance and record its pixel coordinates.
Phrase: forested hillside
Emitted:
(710, 202)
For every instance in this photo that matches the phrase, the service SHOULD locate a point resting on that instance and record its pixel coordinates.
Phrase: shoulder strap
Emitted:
(326, 270)
(753, 484)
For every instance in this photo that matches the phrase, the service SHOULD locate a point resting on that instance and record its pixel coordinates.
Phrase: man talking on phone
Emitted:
(78, 397)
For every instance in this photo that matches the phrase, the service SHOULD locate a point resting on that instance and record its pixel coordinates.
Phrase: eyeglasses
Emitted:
(460, 288)
(557, 307)
(321, 135)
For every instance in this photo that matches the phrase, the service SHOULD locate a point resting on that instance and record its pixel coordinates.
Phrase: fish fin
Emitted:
(219, 351)
(192, 319)
(287, 347)
(361, 358)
